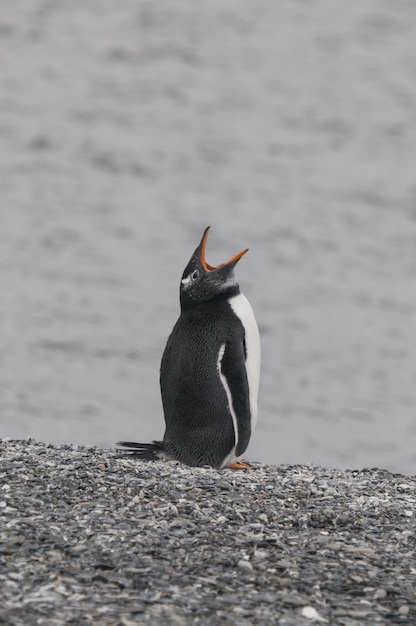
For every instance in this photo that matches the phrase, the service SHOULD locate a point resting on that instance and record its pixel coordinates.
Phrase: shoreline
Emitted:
(88, 536)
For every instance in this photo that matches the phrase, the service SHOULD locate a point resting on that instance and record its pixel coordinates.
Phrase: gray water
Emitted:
(290, 127)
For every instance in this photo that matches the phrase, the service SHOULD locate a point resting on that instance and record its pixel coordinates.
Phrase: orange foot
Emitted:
(240, 465)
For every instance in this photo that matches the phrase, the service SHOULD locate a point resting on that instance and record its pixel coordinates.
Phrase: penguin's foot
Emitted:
(239, 465)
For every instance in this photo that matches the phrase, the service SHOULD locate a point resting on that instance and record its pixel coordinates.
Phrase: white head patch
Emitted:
(186, 281)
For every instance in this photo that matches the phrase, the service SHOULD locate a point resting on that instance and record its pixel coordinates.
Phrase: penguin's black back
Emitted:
(199, 425)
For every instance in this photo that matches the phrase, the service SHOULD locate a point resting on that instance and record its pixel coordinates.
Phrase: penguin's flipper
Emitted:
(146, 451)
(233, 369)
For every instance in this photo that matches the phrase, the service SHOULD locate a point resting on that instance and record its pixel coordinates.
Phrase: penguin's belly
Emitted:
(242, 309)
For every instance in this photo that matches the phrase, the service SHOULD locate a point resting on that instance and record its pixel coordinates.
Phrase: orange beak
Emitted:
(207, 267)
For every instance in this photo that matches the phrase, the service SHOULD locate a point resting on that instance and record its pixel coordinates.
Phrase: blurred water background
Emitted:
(290, 127)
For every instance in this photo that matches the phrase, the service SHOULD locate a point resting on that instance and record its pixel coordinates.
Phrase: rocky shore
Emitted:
(90, 537)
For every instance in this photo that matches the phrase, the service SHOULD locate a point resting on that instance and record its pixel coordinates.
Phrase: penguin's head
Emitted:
(202, 282)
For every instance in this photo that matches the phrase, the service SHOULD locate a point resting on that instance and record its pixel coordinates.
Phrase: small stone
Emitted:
(18, 539)
(355, 578)
(244, 564)
(53, 555)
(310, 613)
(404, 609)
(358, 614)
(294, 600)
(261, 554)
(335, 546)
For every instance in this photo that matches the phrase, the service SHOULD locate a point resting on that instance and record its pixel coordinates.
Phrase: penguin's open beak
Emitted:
(207, 267)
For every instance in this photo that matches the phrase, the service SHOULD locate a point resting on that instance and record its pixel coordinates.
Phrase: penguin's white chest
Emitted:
(242, 309)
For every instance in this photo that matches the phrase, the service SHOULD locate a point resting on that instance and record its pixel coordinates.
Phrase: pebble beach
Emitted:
(89, 536)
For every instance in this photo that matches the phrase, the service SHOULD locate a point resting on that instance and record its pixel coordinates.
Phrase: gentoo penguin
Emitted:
(209, 375)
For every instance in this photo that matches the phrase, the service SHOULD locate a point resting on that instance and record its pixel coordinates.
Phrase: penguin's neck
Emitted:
(232, 291)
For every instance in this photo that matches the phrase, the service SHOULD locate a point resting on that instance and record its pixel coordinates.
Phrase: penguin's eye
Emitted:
(195, 275)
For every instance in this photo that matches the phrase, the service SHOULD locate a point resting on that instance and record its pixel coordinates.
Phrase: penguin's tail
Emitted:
(146, 451)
